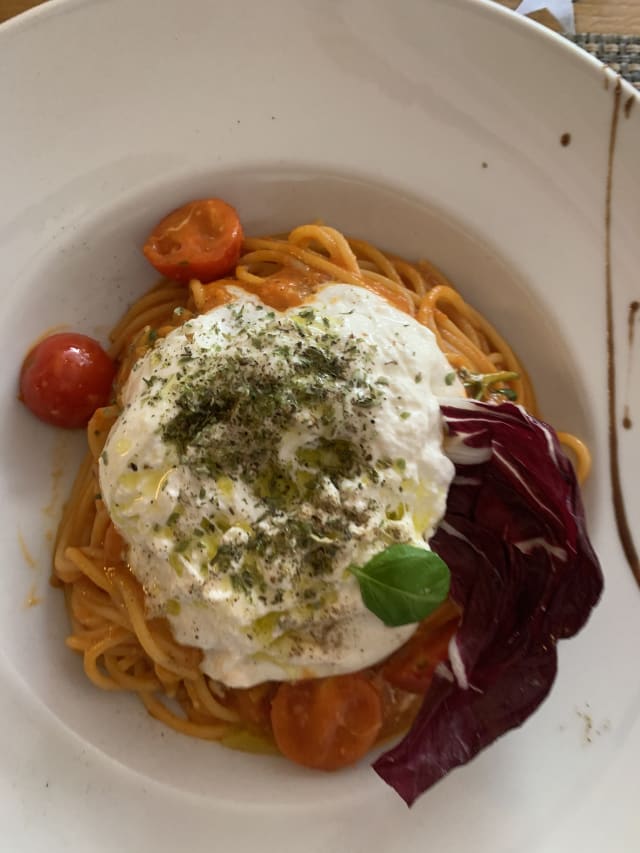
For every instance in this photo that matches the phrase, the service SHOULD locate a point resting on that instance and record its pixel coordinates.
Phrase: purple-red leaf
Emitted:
(525, 575)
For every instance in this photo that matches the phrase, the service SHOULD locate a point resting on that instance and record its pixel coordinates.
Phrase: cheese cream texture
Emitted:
(261, 453)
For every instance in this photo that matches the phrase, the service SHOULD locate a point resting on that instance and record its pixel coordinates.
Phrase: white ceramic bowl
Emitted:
(433, 128)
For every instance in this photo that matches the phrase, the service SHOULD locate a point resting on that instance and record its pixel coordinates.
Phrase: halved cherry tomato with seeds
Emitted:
(65, 378)
(201, 240)
(326, 723)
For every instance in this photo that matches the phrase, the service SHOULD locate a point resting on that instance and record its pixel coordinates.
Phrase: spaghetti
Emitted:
(122, 649)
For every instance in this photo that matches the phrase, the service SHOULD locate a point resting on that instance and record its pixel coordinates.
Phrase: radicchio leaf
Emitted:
(525, 575)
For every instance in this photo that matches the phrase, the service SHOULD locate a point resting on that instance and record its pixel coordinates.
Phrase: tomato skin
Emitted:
(201, 240)
(65, 378)
(326, 723)
(411, 668)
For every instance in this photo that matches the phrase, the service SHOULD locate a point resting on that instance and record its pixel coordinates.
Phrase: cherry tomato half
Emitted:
(411, 668)
(65, 378)
(201, 239)
(326, 723)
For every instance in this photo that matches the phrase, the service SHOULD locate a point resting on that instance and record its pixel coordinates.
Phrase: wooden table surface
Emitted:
(592, 16)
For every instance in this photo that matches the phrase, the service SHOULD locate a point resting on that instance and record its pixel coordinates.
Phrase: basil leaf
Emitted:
(403, 584)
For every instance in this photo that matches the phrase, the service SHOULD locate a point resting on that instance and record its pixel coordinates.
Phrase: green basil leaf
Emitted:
(403, 584)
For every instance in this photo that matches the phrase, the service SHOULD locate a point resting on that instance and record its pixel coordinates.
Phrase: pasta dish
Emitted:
(286, 439)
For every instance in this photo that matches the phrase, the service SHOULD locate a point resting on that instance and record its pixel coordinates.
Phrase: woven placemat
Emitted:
(622, 53)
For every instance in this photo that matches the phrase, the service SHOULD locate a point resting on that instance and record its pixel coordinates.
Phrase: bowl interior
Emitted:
(105, 266)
